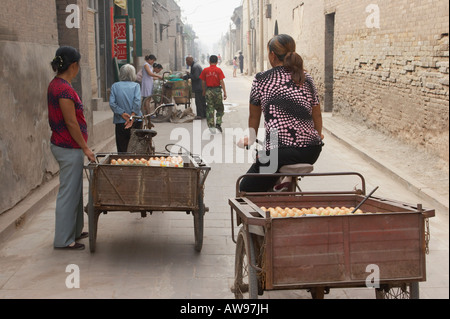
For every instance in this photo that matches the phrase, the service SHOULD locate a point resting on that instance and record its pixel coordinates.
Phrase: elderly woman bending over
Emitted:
(125, 102)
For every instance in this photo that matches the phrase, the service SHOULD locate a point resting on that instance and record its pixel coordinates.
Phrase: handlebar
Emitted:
(135, 117)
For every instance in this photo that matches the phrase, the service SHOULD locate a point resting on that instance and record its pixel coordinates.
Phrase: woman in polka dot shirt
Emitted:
(287, 97)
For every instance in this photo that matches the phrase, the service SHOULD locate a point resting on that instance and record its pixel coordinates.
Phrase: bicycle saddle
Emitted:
(145, 133)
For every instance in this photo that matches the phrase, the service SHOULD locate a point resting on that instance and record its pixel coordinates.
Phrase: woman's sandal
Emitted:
(76, 246)
(83, 236)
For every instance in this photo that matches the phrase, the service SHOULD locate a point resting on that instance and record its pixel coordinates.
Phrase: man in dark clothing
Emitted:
(197, 89)
(241, 62)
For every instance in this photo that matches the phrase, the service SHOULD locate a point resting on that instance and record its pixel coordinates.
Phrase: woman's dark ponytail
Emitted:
(294, 63)
(284, 47)
(65, 56)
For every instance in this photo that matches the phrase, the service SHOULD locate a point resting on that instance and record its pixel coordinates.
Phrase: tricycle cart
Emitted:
(384, 249)
(146, 189)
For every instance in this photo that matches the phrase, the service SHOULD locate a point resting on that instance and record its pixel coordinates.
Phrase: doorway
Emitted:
(329, 62)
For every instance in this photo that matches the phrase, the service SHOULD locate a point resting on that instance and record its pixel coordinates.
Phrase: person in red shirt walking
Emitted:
(213, 84)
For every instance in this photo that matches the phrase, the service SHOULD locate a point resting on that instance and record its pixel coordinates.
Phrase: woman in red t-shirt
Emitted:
(69, 146)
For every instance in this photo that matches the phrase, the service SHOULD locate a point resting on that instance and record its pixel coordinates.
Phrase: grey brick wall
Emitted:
(30, 34)
(395, 78)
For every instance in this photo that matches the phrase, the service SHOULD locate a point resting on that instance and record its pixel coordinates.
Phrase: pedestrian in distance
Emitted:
(235, 66)
(241, 62)
(157, 68)
(148, 76)
(197, 88)
(213, 84)
(288, 98)
(125, 102)
(69, 147)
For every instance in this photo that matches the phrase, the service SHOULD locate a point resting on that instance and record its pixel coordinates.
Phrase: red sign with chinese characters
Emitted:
(120, 40)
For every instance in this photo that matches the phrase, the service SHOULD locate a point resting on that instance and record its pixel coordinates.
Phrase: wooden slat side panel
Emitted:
(146, 187)
(339, 249)
(391, 242)
(308, 250)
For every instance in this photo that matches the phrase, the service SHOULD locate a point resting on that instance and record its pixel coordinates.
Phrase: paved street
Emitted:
(155, 258)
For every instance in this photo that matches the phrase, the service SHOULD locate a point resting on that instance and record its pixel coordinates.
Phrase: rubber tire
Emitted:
(242, 254)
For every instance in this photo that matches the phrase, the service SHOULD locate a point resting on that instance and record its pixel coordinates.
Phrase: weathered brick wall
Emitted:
(304, 21)
(395, 77)
(30, 34)
(28, 41)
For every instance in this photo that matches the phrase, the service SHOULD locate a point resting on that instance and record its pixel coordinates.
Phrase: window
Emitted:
(93, 4)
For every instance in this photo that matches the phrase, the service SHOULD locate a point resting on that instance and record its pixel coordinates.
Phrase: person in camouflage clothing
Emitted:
(214, 104)
(213, 84)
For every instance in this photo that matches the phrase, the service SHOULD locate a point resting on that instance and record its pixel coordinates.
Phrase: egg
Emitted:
(290, 213)
(113, 162)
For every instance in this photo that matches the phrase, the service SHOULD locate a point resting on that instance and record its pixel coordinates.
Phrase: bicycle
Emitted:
(142, 140)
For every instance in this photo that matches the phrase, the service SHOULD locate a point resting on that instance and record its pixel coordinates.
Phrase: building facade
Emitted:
(384, 63)
(30, 34)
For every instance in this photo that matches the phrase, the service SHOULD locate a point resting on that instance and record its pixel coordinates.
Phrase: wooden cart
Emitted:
(142, 189)
(323, 252)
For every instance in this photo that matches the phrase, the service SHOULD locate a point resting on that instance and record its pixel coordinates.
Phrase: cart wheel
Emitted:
(153, 102)
(199, 221)
(404, 291)
(245, 280)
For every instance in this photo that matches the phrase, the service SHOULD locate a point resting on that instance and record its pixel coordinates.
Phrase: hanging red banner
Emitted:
(120, 40)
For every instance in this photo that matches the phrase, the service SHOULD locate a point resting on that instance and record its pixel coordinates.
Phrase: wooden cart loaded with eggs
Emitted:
(145, 184)
(323, 240)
